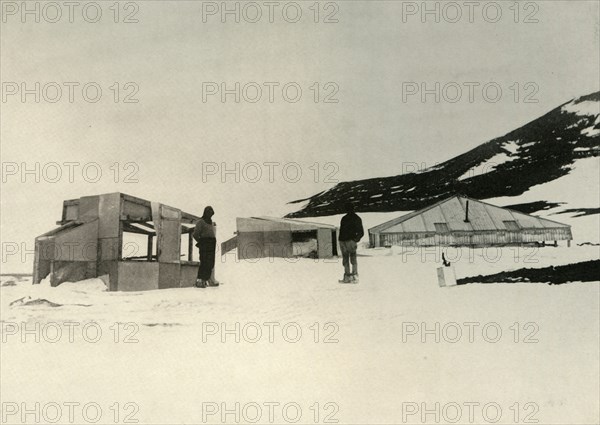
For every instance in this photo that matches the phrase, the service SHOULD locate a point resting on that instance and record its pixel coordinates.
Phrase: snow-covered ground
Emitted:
(392, 341)
(163, 350)
(374, 367)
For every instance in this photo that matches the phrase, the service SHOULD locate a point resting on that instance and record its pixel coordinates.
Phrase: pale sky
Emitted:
(369, 54)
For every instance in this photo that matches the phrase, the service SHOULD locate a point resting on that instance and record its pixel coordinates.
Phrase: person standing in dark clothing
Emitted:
(351, 231)
(205, 236)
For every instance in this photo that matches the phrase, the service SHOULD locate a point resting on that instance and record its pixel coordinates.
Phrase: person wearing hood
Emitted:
(351, 231)
(205, 236)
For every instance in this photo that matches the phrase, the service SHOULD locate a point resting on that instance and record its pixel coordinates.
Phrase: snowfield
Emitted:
(281, 341)
(284, 335)
(374, 366)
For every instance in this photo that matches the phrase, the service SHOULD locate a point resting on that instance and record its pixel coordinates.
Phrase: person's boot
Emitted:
(200, 283)
(354, 277)
(212, 281)
(346, 279)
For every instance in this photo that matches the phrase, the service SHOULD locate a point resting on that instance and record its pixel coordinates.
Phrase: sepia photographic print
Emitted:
(354, 212)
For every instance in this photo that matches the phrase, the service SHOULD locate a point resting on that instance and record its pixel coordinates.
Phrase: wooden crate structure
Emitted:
(91, 242)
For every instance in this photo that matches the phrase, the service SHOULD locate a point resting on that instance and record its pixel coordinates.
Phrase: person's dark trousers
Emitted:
(207, 247)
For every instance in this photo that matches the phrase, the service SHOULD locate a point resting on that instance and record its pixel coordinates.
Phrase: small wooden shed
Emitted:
(264, 237)
(463, 221)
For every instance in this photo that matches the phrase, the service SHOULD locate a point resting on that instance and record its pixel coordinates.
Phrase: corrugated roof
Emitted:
(452, 211)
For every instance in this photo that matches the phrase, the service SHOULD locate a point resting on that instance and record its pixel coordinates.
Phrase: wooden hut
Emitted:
(462, 221)
(265, 237)
(95, 238)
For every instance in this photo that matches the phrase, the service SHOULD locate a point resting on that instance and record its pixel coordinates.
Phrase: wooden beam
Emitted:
(135, 200)
(148, 225)
(150, 247)
(189, 218)
(132, 229)
(139, 257)
(131, 219)
(187, 229)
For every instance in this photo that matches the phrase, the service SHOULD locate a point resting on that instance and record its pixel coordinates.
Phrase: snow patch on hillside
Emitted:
(429, 169)
(578, 189)
(585, 108)
(510, 149)
(592, 130)
(511, 146)
(487, 166)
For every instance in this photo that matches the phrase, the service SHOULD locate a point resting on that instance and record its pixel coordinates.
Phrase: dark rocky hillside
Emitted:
(536, 153)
